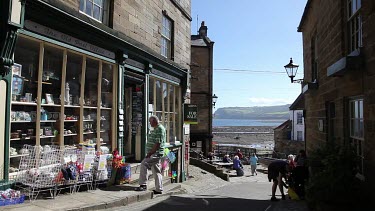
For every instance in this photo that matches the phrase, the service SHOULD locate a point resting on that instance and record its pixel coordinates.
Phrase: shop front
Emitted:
(76, 86)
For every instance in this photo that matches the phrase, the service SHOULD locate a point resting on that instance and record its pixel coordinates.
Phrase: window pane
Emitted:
(361, 109)
(356, 111)
(89, 8)
(361, 129)
(97, 12)
(171, 95)
(82, 5)
(151, 91)
(98, 2)
(158, 96)
(165, 96)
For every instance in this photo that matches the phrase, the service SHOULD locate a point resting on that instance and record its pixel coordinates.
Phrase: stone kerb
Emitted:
(219, 172)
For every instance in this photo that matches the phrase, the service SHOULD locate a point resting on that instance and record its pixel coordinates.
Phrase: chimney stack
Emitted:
(203, 30)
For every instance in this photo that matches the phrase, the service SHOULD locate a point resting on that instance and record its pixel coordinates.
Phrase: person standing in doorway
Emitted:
(253, 164)
(155, 151)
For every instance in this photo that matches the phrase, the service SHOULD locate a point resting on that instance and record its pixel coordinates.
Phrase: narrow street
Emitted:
(207, 192)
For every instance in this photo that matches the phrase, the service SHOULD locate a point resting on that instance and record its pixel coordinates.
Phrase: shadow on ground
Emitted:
(210, 202)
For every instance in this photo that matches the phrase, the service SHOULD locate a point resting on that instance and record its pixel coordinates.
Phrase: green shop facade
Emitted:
(66, 80)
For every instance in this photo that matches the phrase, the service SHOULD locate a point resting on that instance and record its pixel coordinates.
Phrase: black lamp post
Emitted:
(214, 100)
(291, 70)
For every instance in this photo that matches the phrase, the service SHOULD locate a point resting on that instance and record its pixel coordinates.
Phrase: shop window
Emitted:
(354, 24)
(357, 129)
(167, 37)
(62, 98)
(96, 9)
(165, 96)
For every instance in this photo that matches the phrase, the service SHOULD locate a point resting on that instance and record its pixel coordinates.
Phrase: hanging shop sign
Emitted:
(190, 114)
(67, 39)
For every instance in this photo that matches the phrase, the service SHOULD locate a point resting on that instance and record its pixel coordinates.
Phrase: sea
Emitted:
(247, 122)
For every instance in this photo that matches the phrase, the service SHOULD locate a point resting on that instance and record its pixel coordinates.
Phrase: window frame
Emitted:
(356, 140)
(355, 36)
(102, 9)
(168, 118)
(167, 39)
(299, 135)
(299, 118)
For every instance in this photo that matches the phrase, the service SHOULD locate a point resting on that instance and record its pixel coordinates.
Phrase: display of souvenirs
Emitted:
(21, 116)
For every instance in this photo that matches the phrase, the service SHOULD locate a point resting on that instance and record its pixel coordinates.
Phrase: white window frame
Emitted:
(357, 123)
(101, 9)
(166, 37)
(299, 118)
(299, 135)
(355, 24)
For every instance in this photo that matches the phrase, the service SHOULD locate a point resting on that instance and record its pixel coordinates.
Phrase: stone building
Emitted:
(339, 78)
(201, 89)
(103, 66)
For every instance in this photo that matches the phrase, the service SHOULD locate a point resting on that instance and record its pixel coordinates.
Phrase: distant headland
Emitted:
(256, 112)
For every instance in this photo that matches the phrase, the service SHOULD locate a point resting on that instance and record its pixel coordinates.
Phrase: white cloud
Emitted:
(268, 101)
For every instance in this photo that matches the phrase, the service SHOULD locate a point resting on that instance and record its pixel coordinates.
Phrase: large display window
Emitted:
(164, 99)
(60, 97)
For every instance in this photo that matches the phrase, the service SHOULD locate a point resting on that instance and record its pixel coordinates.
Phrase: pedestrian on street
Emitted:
(253, 164)
(238, 166)
(155, 151)
(277, 170)
(239, 154)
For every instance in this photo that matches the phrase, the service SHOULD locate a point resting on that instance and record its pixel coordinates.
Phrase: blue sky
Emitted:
(252, 35)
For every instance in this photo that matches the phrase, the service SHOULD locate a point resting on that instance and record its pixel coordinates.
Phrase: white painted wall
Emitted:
(293, 115)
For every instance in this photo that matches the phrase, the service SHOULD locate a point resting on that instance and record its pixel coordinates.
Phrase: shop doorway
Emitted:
(134, 118)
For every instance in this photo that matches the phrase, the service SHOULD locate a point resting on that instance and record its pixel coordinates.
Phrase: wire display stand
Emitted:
(85, 175)
(102, 169)
(38, 170)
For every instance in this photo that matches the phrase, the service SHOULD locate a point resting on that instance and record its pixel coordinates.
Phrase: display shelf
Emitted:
(88, 120)
(105, 108)
(51, 105)
(75, 120)
(71, 106)
(24, 103)
(85, 133)
(47, 121)
(21, 121)
(103, 131)
(90, 107)
(47, 136)
(17, 156)
(18, 139)
(73, 134)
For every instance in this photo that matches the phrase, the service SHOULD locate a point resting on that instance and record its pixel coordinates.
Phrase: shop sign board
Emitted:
(191, 114)
(67, 39)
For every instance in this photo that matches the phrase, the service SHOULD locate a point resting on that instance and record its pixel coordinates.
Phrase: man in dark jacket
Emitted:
(277, 170)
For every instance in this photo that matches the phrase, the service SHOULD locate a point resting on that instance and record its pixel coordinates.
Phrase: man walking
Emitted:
(277, 170)
(155, 150)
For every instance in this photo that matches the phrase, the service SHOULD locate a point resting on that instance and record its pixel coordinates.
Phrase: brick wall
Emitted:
(328, 20)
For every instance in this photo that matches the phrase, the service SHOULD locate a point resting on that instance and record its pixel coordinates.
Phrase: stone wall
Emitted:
(142, 21)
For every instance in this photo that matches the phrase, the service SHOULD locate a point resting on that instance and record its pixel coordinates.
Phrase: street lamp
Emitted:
(214, 100)
(291, 70)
